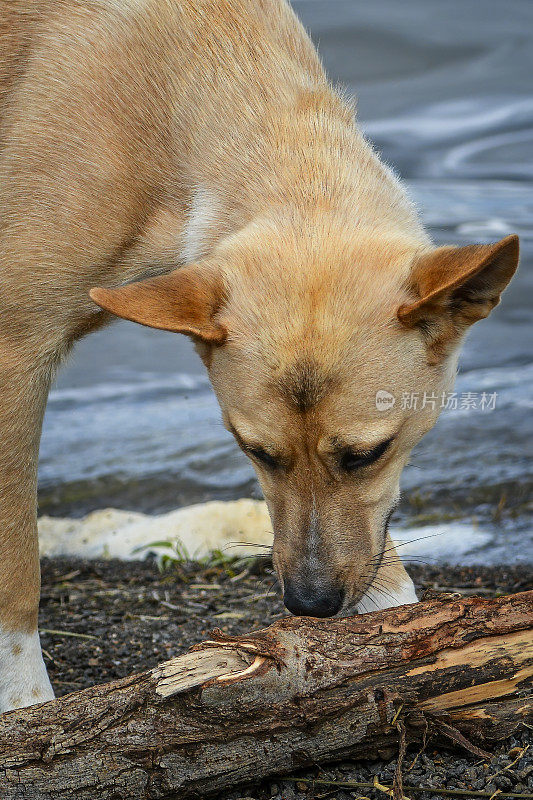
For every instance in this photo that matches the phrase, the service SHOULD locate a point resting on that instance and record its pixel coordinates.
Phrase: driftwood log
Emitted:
(234, 710)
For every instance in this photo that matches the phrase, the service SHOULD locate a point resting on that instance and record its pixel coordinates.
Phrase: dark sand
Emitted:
(137, 616)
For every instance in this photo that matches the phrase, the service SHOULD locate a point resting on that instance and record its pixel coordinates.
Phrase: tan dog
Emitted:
(139, 136)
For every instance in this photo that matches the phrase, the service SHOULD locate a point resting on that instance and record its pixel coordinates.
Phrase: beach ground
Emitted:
(102, 620)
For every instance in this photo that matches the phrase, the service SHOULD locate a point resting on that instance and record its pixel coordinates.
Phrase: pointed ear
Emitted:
(456, 286)
(184, 301)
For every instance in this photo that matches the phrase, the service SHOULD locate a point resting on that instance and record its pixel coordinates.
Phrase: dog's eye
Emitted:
(255, 451)
(351, 460)
(262, 456)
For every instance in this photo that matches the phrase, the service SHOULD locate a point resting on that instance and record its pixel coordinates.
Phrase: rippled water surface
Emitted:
(445, 92)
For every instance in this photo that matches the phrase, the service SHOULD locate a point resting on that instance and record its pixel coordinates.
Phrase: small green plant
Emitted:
(173, 553)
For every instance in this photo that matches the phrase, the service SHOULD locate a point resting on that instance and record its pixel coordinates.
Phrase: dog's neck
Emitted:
(311, 157)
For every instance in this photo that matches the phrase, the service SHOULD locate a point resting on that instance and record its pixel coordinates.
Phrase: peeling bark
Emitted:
(234, 710)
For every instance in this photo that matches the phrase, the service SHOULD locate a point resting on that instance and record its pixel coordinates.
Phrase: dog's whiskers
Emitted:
(233, 545)
(397, 545)
(390, 561)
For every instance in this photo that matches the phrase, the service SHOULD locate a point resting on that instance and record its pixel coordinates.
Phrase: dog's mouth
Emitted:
(370, 571)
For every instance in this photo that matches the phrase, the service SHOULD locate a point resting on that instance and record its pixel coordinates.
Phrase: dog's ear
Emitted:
(456, 286)
(183, 301)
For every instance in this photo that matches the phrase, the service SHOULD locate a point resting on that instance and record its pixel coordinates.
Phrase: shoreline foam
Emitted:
(200, 529)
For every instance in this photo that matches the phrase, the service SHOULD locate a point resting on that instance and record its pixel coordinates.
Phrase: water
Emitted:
(445, 92)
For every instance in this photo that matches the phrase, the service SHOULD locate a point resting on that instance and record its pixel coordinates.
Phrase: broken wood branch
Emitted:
(304, 691)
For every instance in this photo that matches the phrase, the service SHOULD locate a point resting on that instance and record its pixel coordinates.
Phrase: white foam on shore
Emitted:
(200, 529)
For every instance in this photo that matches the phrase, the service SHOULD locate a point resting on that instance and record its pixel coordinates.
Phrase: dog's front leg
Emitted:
(391, 586)
(25, 373)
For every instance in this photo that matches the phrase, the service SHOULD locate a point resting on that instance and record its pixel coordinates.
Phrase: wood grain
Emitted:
(304, 691)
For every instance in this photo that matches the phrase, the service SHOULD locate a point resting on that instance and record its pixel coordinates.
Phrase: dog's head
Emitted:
(330, 356)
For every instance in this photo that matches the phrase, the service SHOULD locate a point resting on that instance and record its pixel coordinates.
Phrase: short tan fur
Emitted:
(190, 159)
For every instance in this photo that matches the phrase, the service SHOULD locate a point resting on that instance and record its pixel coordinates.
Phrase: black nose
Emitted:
(312, 601)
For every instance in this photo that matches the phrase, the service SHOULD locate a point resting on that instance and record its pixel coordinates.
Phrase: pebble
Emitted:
(503, 782)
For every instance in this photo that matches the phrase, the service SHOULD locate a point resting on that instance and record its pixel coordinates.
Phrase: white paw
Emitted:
(23, 677)
(377, 599)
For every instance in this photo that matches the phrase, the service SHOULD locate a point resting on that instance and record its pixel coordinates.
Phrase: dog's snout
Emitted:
(306, 600)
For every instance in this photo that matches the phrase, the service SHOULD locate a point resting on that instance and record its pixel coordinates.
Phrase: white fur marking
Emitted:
(203, 213)
(23, 677)
(375, 600)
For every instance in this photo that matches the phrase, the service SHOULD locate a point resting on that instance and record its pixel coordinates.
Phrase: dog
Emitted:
(190, 159)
